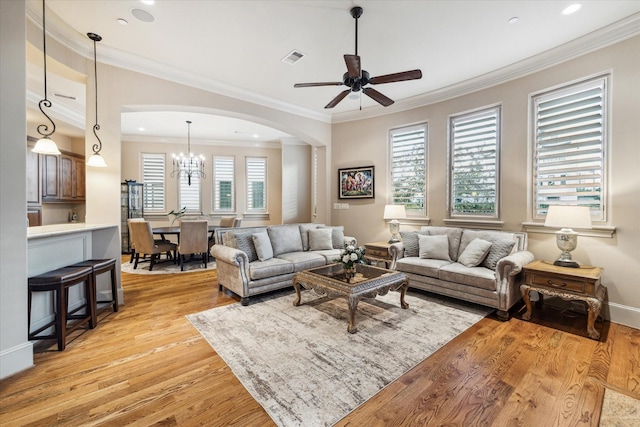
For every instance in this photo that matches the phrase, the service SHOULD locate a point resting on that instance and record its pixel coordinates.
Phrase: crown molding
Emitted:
(616, 32)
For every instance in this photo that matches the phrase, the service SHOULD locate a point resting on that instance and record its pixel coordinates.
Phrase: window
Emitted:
(189, 195)
(257, 184)
(569, 146)
(153, 178)
(474, 140)
(223, 176)
(408, 168)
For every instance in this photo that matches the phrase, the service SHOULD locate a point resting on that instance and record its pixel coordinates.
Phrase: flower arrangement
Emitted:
(178, 214)
(350, 256)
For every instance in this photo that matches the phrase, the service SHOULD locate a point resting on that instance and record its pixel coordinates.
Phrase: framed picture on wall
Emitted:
(356, 183)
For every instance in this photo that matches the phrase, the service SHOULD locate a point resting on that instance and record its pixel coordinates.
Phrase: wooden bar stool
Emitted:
(100, 266)
(59, 281)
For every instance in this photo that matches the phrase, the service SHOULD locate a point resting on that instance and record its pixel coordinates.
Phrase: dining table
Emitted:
(175, 231)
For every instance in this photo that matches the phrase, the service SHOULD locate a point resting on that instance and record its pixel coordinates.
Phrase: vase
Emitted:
(349, 272)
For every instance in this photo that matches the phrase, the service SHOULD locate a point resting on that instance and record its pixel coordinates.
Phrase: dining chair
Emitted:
(143, 237)
(132, 243)
(194, 237)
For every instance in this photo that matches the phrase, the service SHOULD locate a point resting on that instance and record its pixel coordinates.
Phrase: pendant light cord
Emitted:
(96, 147)
(43, 128)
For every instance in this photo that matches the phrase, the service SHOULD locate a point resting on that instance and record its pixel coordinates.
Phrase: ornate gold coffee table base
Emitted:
(369, 282)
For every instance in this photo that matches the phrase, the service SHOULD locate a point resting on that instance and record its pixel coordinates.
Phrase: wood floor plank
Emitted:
(147, 365)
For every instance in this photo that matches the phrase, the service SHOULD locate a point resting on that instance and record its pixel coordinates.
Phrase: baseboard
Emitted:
(16, 359)
(624, 315)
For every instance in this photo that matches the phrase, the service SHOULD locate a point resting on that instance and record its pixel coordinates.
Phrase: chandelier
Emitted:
(188, 165)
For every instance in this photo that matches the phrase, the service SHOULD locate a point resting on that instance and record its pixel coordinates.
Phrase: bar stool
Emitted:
(100, 266)
(59, 281)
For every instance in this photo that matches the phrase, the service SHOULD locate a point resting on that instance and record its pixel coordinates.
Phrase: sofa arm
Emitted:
(509, 277)
(232, 266)
(512, 265)
(396, 251)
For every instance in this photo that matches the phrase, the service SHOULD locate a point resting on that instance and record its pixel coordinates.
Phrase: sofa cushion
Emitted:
(434, 247)
(330, 255)
(453, 233)
(304, 234)
(474, 253)
(422, 267)
(285, 239)
(479, 277)
(269, 268)
(244, 242)
(410, 242)
(502, 244)
(320, 239)
(303, 260)
(337, 236)
(499, 249)
(263, 245)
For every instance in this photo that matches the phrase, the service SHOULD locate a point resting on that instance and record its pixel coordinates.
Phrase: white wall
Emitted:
(16, 351)
(364, 142)
(296, 184)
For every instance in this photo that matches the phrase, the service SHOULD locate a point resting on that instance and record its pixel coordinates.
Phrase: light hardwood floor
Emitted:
(147, 365)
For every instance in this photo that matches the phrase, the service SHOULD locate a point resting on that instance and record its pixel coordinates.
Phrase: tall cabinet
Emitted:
(131, 206)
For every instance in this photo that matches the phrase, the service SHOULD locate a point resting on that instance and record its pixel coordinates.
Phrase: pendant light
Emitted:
(45, 145)
(96, 159)
(188, 165)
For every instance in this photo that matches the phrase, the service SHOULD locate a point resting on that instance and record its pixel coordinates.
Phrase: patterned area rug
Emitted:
(302, 365)
(166, 267)
(619, 410)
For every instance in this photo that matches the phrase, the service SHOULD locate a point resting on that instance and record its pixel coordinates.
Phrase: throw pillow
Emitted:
(263, 245)
(244, 242)
(285, 239)
(320, 239)
(474, 253)
(500, 248)
(434, 247)
(304, 233)
(337, 236)
(410, 242)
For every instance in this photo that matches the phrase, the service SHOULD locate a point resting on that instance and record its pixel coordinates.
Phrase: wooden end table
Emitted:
(581, 284)
(378, 252)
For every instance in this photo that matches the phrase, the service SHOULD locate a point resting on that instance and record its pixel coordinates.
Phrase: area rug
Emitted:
(619, 410)
(302, 365)
(165, 267)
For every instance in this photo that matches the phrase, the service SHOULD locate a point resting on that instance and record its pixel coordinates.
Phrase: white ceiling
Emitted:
(236, 48)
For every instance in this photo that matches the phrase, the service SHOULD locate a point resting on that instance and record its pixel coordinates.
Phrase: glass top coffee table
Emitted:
(369, 282)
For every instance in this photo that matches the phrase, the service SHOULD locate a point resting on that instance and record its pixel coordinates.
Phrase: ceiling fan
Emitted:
(356, 78)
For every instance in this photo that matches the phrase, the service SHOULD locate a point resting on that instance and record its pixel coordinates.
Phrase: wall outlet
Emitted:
(336, 206)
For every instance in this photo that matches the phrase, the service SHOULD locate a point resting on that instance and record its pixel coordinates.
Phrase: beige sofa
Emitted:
(255, 260)
(488, 273)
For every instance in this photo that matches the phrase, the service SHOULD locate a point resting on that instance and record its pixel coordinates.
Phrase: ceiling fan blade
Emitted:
(317, 84)
(377, 96)
(396, 77)
(353, 65)
(338, 98)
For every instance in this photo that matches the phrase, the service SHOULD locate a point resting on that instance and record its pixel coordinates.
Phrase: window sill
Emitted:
(257, 216)
(485, 224)
(605, 231)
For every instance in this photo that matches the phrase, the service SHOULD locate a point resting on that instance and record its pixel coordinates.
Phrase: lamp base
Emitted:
(561, 263)
(393, 240)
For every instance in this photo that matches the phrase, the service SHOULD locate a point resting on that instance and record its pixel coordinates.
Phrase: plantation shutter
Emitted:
(256, 183)
(569, 148)
(189, 195)
(408, 168)
(474, 163)
(223, 171)
(153, 171)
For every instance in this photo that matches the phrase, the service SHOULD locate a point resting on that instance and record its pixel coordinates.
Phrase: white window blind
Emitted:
(153, 176)
(474, 147)
(223, 173)
(408, 168)
(256, 184)
(569, 136)
(189, 195)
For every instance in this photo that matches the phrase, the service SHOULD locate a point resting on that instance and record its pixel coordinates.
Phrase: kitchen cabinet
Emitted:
(63, 178)
(34, 198)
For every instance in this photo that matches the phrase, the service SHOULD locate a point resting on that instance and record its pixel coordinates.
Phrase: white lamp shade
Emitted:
(568, 217)
(46, 146)
(97, 161)
(394, 212)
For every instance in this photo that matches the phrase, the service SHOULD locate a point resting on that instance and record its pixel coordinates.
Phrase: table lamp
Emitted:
(567, 217)
(394, 213)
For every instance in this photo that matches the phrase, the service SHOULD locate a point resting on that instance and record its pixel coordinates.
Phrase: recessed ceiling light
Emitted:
(513, 20)
(571, 9)
(255, 135)
(142, 15)
(122, 21)
(147, 1)
(141, 129)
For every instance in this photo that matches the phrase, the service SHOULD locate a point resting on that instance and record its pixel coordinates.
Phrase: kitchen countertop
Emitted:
(60, 229)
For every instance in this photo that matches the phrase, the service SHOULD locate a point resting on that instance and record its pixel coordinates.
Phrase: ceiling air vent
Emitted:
(293, 57)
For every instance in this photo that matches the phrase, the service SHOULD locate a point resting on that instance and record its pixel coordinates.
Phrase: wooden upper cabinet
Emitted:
(63, 178)
(50, 182)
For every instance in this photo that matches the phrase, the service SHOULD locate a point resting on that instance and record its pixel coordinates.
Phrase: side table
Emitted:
(378, 252)
(581, 284)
